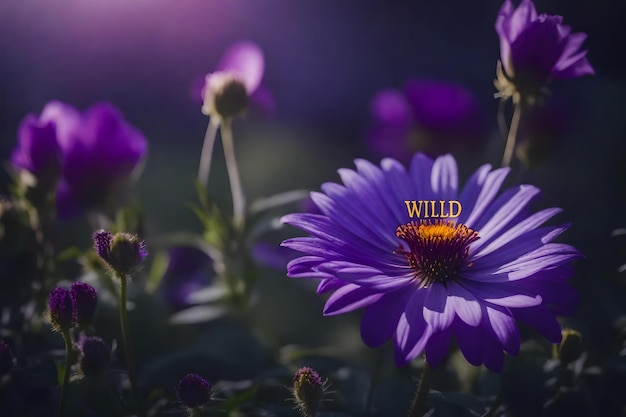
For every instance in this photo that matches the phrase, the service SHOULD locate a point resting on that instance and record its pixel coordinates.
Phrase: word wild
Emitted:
(433, 209)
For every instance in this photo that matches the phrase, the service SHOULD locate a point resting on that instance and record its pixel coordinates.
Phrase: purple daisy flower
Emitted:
(422, 281)
(536, 48)
(427, 116)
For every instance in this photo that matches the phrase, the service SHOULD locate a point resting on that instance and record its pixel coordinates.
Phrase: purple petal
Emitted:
(504, 294)
(391, 108)
(470, 341)
(380, 319)
(536, 50)
(438, 310)
(574, 67)
(493, 357)
(246, 60)
(466, 306)
(437, 347)
(330, 284)
(444, 179)
(504, 327)
(541, 319)
(521, 18)
(488, 190)
(349, 298)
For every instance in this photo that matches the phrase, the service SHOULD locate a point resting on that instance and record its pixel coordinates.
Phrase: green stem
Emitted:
(419, 402)
(512, 136)
(127, 344)
(207, 153)
(239, 200)
(68, 369)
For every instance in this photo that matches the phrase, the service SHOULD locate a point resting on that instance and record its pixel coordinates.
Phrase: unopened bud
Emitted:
(307, 390)
(122, 252)
(570, 348)
(224, 96)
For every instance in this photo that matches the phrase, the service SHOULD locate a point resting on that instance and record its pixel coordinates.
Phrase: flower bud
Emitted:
(570, 348)
(307, 390)
(122, 252)
(7, 361)
(84, 300)
(224, 95)
(193, 390)
(60, 309)
(95, 356)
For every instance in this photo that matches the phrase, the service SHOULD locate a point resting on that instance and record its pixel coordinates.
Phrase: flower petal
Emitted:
(246, 60)
(380, 319)
(348, 298)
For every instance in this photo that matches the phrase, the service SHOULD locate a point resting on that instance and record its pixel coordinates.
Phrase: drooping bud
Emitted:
(307, 390)
(193, 390)
(7, 361)
(60, 309)
(85, 300)
(570, 348)
(122, 252)
(95, 356)
(224, 95)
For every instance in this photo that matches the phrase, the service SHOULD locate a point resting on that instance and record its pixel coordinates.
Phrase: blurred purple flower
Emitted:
(99, 151)
(429, 116)
(193, 390)
(536, 48)
(236, 81)
(422, 281)
(188, 270)
(95, 355)
(37, 150)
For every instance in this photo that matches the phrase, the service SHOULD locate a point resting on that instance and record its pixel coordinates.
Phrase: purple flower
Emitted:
(430, 116)
(60, 309)
(122, 252)
(188, 270)
(226, 91)
(536, 48)
(37, 149)
(424, 280)
(95, 356)
(85, 300)
(193, 390)
(99, 151)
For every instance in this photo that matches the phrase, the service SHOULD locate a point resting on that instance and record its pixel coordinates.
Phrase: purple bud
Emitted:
(123, 252)
(307, 390)
(193, 390)
(84, 299)
(95, 356)
(60, 309)
(6, 358)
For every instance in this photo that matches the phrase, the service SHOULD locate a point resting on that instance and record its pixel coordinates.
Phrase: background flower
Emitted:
(37, 149)
(423, 281)
(428, 116)
(536, 48)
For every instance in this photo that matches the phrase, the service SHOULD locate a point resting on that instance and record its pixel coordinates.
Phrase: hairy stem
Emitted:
(512, 136)
(421, 395)
(239, 200)
(68, 369)
(207, 153)
(127, 344)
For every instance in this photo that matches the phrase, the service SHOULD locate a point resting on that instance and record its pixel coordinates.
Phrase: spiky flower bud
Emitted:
(7, 361)
(224, 95)
(122, 252)
(95, 356)
(193, 390)
(570, 348)
(307, 390)
(60, 309)
(84, 300)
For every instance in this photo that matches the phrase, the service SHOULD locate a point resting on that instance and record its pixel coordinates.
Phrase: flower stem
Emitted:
(68, 368)
(207, 153)
(512, 136)
(419, 402)
(127, 347)
(239, 200)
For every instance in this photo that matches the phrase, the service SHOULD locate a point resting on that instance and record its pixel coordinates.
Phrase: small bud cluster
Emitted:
(72, 308)
(122, 252)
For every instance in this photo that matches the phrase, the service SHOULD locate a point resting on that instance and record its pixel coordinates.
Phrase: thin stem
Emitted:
(419, 402)
(207, 152)
(502, 130)
(127, 347)
(512, 136)
(68, 368)
(239, 200)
